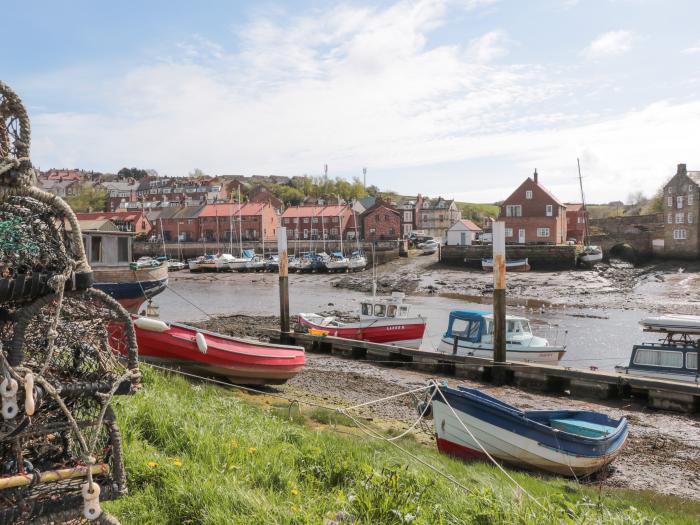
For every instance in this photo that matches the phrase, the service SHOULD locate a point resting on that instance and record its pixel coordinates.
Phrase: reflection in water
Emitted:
(601, 338)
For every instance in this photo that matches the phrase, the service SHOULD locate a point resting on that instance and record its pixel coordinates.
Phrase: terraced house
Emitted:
(681, 232)
(436, 216)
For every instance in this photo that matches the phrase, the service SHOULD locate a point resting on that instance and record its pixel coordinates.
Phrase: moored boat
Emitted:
(470, 332)
(202, 263)
(337, 262)
(240, 263)
(382, 320)
(241, 361)
(131, 284)
(675, 356)
(571, 443)
(174, 265)
(223, 261)
(512, 265)
(357, 261)
(590, 255)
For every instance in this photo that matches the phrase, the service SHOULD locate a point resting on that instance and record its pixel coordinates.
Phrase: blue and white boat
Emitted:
(675, 356)
(571, 443)
(470, 333)
(337, 262)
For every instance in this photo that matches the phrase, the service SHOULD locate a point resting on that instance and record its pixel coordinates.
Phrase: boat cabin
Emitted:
(104, 247)
(477, 327)
(378, 307)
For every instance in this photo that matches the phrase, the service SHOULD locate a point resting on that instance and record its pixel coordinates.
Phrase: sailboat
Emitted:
(590, 254)
(357, 260)
(240, 263)
(338, 262)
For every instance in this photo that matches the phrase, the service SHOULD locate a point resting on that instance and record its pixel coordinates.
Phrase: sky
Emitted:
(459, 98)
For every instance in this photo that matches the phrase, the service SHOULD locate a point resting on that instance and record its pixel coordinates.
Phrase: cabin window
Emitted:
(489, 328)
(379, 310)
(403, 311)
(474, 331)
(366, 309)
(95, 249)
(391, 310)
(123, 249)
(664, 358)
(691, 360)
(459, 327)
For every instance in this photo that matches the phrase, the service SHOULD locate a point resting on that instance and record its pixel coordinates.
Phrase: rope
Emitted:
(454, 413)
(188, 301)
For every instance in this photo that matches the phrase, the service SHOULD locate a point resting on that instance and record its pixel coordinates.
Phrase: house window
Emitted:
(543, 232)
(679, 218)
(372, 231)
(670, 218)
(579, 220)
(690, 218)
(670, 200)
(407, 216)
(690, 198)
(514, 210)
(306, 233)
(679, 202)
(509, 232)
(314, 220)
(550, 210)
(392, 231)
(528, 194)
(680, 235)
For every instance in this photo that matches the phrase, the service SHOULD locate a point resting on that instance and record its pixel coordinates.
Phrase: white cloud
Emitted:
(692, 50)
(489, 47)
(609, 44)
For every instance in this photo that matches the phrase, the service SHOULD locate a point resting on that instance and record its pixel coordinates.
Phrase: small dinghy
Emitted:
(241, 361)
(512, 265)
(566, 442)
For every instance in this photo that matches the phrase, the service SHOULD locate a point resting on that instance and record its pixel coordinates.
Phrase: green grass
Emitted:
(199, 454)
(478, 212)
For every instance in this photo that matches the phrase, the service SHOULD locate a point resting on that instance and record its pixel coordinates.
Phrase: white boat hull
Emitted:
(506, 446)
(532, 354)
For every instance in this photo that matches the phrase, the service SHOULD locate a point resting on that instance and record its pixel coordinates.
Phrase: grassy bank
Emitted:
(201, 454)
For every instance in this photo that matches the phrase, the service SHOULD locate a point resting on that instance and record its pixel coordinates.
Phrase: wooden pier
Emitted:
(600, 385)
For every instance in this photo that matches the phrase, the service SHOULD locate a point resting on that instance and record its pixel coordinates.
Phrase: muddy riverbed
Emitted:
(662, 454)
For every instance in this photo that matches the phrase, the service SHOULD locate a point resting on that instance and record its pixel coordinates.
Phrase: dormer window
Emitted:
(528, 194)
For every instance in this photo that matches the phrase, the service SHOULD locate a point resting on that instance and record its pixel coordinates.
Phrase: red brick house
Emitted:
(262, 194)
(126, 221)
(533, 215)
(381, 222)
(575, 222)
(318, 222)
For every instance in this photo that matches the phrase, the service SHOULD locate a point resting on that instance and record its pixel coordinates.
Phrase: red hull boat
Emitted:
(384, 321)
(238, 360)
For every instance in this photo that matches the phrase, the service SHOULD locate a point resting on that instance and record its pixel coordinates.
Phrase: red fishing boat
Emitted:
(381, 321)
(241, 361)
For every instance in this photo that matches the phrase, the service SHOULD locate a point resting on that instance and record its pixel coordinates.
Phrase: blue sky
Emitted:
(462, 98)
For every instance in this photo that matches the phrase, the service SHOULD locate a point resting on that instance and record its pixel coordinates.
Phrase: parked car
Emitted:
(426, 240)
(430, 247)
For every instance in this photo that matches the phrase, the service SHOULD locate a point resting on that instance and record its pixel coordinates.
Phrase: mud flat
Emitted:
(662, 454)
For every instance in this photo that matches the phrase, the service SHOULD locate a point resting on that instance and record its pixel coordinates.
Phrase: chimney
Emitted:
(682, 169)
(534, 176)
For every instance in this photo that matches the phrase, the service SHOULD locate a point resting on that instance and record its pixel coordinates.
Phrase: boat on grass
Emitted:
(240, 361)
(472, 333)
(382, 320)
(675, 356)
(512, 265)
(571, 443)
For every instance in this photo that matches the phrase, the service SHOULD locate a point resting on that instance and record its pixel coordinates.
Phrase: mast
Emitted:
(323, 230)
(240, 231)
(230, 233)
(340, 227)
(218, 246)
(583, 203)
(162, 237)
(179, 249)
(357, 237)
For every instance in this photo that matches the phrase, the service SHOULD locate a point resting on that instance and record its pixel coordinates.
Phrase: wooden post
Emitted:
(499, 292)
(284, 283)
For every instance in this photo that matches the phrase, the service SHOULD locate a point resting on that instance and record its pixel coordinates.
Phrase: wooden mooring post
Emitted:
(499, 301)
(284, 283)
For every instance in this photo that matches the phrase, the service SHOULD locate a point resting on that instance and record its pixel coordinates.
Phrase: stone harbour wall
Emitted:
(559, 257)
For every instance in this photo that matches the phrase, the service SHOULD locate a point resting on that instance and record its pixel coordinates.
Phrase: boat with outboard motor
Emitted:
(675, 356)
(571, 443)
(241, 361)
(382, 320)
(470, 332)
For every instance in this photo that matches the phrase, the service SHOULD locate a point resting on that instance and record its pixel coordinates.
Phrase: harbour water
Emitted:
(594, 337)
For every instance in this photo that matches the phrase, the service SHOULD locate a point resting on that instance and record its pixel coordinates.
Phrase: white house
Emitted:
(462, 233)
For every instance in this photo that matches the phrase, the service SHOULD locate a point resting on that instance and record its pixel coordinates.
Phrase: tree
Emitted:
(197, 174)
(89, 198)
(134, 173)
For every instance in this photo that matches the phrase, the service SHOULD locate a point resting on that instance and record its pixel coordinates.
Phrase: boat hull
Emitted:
(532, 354)
(511, 266)
(131, 288)
(238, 360)
(517, 442)
(398, 332)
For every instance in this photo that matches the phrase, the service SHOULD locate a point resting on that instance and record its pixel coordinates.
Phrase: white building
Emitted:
(462, 233)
